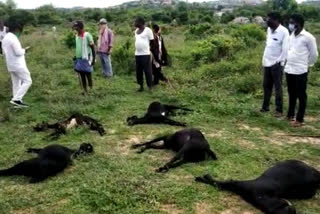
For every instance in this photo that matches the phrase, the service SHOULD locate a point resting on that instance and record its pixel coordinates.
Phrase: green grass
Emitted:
(117, 180)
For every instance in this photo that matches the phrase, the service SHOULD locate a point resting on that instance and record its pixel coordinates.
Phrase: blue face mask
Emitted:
(292, 27)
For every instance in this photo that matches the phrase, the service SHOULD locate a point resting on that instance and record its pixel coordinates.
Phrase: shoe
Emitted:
(18, 103)
(290, 119)
(150, 90)
(140, 89)
(264, 110)
(297, 124)
(277, 114)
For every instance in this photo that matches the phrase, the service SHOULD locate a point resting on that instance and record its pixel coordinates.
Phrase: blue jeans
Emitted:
(106, 64)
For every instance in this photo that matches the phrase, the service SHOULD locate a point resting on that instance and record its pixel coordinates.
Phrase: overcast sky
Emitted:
(28, 4)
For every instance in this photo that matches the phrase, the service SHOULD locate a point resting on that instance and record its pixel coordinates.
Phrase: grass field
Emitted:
(117, 180)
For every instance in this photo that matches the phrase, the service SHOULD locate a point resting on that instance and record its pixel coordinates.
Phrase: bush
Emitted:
(197, 30)
(124, 58)
(250, 34)
(248, 83)
(69, 40)
(217, 47)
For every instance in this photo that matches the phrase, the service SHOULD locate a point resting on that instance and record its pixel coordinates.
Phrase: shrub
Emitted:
(250, 34)
(217, 47)
(248, 83)
(69, 40)
(124, 58)
(197, 30)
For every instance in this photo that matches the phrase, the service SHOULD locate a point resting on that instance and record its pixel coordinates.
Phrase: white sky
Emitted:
(28, 4)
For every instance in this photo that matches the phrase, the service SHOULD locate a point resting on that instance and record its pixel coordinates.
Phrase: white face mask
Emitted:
(292, 27)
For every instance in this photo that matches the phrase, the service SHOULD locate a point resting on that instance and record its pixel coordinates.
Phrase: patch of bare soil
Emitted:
(249, 128)
(24, 211)
(239, 206)
(281, 138)
(203, 208)
(124, 147)
(216, 134)
(233, 211)
(312, 119)
(171, 209)
(246, 143)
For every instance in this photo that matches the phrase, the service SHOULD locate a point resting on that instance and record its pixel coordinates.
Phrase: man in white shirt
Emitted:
(144, 38)
(16, 63)
(302, 55)
(274, 57)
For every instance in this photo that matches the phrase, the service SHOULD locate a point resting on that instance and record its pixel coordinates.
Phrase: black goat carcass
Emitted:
(61, 127)
(190, 145)
(50, 161)
(158, 113)
(291, 179)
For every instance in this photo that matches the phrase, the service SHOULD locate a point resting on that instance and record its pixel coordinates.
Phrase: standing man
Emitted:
(85, 55)
(273, 61)
(144, 38)
(16, 63)
(105, 43)
(160, 56)
(3, 32)
(302, 55)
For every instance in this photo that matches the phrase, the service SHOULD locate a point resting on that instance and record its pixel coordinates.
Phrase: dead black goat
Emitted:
(190, 145)
(49, 161)
(291, 179)
(158, 113)
(75, 120)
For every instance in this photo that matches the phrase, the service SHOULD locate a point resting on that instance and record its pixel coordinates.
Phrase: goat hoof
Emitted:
(134, 146)
(199, 179)
(162, 170)
(140, 151)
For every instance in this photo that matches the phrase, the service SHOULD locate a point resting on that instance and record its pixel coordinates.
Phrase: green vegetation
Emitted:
(216, 70)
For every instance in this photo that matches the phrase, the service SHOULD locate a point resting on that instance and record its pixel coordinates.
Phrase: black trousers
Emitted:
(297, 89)
(84, 78)
(273, 77)
(143, 65)
(157, 75)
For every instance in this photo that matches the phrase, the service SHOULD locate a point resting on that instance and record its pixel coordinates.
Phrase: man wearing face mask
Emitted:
(274, 58)
(302, 55)
(16, 63)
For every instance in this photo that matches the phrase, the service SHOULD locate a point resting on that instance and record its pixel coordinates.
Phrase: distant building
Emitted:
(163, 2)
(312, 2)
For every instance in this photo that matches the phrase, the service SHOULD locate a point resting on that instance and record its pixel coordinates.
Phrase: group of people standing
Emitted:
(294, 54)
(150, 53)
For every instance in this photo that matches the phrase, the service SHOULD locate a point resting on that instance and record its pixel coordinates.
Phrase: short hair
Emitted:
(13, 24)
(298, 18)
(156, 28)
(140, 20)
(78, 24)
(275, 16)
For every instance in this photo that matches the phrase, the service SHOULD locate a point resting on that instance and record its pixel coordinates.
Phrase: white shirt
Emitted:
(302, 53)
(14, 53)
(276, 46)
(3, 33)
(143, 42)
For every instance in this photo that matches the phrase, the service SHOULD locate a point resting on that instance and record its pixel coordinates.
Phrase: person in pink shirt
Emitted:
(104, 47)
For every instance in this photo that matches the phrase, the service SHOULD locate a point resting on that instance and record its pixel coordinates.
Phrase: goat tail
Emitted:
(212, 154)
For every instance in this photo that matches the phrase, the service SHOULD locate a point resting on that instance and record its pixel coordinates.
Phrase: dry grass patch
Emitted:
(171, 209)
(203, 208)
(281, 138)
